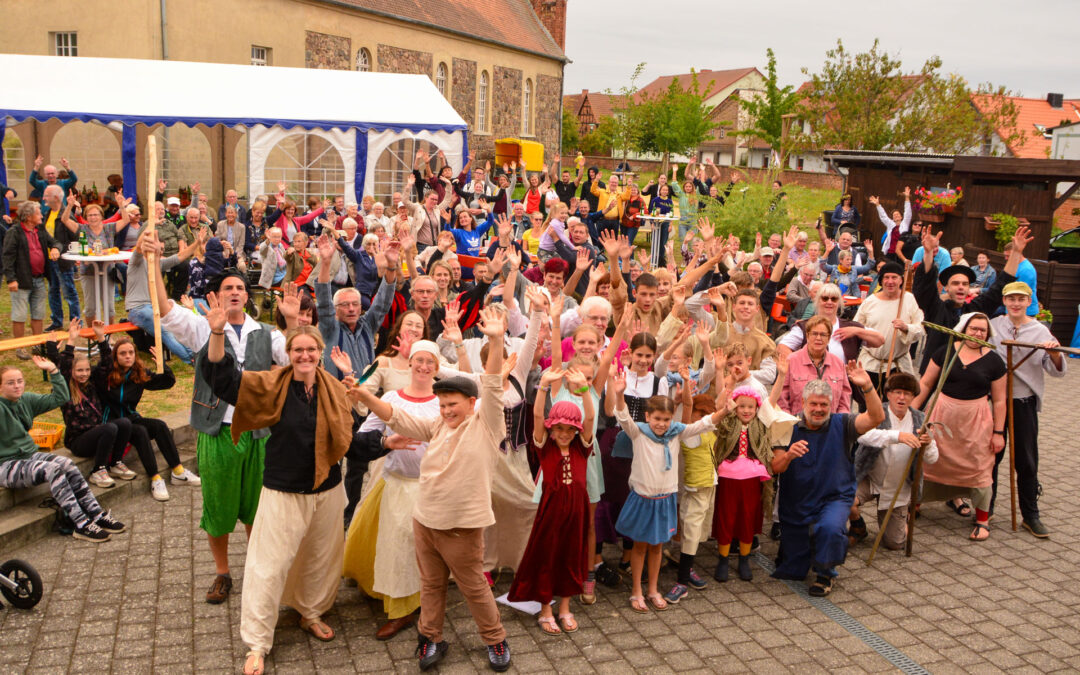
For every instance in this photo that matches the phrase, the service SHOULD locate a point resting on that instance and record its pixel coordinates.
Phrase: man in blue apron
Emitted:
(817, 482)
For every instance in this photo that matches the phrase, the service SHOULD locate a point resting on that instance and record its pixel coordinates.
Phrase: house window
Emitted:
(799, 164)
(66, 44)
(260, 56)
(482, 103)
(363, 60)
(440, 79)
(764, 161)
(526, 109)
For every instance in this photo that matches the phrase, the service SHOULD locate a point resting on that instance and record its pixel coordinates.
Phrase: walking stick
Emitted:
(892, 347)
(950, 360)
(1012, 435)
(151, 258)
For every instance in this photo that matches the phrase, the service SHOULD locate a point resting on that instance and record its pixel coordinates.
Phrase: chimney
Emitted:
(1055, 100)
(552, 13)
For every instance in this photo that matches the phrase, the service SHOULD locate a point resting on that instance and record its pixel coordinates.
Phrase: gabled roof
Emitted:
(1035, 117)
(601, 103)
(712, 80)
(509, 23)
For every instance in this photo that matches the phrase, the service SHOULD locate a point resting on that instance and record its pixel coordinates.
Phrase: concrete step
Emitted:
(22, 520)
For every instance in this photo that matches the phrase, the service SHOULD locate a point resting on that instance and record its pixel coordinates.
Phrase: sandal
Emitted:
(975, 533)
(318, 629)
(961, 509)
(658, 602)
(567, 623)
(637, 603)
(821, 587)
(548, 625)
(256, 668)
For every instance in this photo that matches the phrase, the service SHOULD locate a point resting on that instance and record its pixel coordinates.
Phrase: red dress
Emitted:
(556, 556)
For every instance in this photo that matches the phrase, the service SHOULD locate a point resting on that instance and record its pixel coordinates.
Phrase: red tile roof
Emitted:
(1033, 113)
(711, 80)
(601, 103)
(511, 23)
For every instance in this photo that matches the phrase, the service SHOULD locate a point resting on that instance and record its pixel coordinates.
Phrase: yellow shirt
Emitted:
(531, 243)
(50, 224)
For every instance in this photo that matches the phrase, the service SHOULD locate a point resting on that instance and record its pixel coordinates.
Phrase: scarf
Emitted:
(673, 431)
(843, 270)
(262, 396)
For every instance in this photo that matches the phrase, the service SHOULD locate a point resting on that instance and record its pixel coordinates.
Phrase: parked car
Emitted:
(1065, 247)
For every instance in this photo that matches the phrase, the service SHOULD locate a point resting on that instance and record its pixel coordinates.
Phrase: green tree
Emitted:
(866, 101)
(624, 130)
(571, 136)
(675, 120)
(767, 112)
(601, 140)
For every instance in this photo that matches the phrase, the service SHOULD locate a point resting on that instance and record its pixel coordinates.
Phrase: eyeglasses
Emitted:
(819, 334)
(830, 298)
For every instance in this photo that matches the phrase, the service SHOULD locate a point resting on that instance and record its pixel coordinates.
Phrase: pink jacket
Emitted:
(801, 370)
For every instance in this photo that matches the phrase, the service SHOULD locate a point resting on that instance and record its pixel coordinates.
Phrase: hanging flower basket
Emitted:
(933, 205)
(932, 216)
(990, 224)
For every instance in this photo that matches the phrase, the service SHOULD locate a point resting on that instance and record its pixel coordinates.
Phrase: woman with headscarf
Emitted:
(296, 545)
(972, 427)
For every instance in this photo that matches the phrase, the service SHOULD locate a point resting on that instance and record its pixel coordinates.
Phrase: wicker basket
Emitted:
(46, 434)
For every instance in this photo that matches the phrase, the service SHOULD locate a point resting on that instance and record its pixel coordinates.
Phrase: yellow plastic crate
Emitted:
(46, 434)
(515, 150)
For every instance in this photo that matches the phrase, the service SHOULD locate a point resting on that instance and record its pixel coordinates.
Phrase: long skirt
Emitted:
(511, 500)
(555, 560)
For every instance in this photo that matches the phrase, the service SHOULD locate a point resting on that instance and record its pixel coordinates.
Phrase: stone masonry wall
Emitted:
(463, 90)
(326, 51)
(548, 103)
(407, 61)
(506, 87)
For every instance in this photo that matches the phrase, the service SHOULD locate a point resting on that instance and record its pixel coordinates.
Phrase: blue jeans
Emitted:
(58, 277)
(821, 544)
(143, 317)
(663, 233)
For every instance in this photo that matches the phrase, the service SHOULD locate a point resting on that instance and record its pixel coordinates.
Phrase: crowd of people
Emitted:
(511, 387)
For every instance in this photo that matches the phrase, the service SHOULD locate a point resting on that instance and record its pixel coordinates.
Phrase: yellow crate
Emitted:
(515, 150)
(46, 434)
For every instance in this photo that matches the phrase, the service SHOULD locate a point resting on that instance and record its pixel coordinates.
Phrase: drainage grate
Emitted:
(850, 624)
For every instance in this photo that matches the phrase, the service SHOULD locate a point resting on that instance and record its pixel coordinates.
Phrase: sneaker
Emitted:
(106, 522)
(90, 532)
(608, 576)
(1036, 527)
(821, 587)
(588, 590)
(677, 593)
(490, 580)
(120, 470)
(101, 478)
(499, 656)
(430, 652)
(22, 354)
(52, 326)
(158, 490)
(185, 477)
(696, 582)
(774, 532)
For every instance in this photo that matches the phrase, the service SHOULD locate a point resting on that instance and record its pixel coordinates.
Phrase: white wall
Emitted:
(1065, 143)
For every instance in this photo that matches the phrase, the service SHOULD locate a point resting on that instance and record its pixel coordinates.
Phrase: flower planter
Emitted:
(991, 224)
(932, 217)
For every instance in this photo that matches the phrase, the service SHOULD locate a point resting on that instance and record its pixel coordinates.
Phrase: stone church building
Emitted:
(499, 63)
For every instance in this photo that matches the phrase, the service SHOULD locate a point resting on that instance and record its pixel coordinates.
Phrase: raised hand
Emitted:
(99, 329)
(509, 364)
(186, 301)
(556, 307)
(1021, 239)
(610, 241)
(597, 273)
(583, 258)
(791, 237)
(576, 381)
(215, 315)
(403, 345)
(538, 302)
(719, 359)
(162, 184)
(930, 241)
(907, 192)
(453, 311)
(701, 332)
(38, 161)
(196, 188)
(64, 163)
(340, 358)
(858, 375)
(325, 246)
(492, 323)
(451, 330)
(290, 303)
(73, 331)
(618, 381)
(513, 256)
(503, 226)
(705, 227)
(874, 201)
(44, 363)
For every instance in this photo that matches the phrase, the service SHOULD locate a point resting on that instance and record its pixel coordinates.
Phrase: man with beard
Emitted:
(879, 312)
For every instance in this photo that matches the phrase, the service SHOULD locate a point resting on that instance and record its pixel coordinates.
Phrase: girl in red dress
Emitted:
(556, 556)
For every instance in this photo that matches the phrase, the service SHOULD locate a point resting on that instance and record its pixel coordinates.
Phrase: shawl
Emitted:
(262, 396)
(673, 431)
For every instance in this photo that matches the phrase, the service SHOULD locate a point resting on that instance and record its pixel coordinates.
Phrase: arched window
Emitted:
(482, 103)
(440, 79)
(363, 60)
(394, 167)
(526, 109)
(308, 163)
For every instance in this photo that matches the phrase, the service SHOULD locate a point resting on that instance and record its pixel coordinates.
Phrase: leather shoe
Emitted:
(1036, 527)
(219, 590)
(394, 626)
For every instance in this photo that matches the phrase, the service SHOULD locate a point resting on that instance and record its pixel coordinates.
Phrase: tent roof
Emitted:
(35, 88)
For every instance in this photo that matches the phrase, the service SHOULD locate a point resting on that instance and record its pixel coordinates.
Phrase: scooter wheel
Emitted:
(28, 586)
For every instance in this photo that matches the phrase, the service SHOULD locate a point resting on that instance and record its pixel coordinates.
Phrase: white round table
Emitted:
(654, 222)
(98, 265)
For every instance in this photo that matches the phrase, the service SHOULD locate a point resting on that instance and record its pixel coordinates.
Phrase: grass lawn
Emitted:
(154, 403)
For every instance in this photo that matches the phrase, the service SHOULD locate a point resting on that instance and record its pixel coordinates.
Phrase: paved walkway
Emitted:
(135, 604)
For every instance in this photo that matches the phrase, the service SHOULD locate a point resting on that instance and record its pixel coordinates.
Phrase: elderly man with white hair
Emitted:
(27, 247)
(50, 176)
(232, 199)
(377, 217)
(817, 481)
(61, 274)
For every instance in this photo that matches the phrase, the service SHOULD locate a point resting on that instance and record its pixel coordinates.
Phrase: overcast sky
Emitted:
(1027, 46)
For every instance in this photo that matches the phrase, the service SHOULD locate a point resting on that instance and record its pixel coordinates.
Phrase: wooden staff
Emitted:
(892, 347)
(1012, 434)
(151, 258)
(913, 503)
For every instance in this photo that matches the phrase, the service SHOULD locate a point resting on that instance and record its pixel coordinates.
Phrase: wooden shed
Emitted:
(1025, 188)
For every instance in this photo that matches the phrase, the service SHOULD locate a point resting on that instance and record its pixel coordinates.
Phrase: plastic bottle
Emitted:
(82, 243)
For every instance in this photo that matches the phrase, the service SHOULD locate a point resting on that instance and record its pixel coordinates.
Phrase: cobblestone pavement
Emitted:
(135, 604)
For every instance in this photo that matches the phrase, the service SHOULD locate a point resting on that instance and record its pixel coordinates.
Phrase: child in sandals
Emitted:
(650, 514)
(555, 559)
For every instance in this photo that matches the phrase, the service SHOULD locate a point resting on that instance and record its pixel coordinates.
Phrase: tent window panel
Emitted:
(394, 166)
(482, 103)
(309, 164)
(184, 158)
(15, 161)
(66, 44)
(92, 150)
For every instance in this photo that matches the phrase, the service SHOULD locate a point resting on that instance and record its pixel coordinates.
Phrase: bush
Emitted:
(1006, 228)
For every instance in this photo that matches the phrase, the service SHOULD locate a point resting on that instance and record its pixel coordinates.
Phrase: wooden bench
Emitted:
(58, 335)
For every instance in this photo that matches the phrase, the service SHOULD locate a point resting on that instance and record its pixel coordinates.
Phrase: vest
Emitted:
(824, 474)
(207, 410)
(866, 456)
